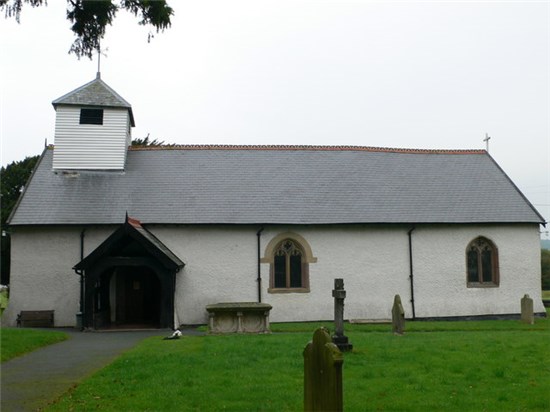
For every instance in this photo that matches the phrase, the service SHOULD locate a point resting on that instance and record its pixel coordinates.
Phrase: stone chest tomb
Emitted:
(238, 317)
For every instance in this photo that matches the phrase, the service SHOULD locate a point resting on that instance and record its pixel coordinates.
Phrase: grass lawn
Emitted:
(546, 294)
(451, 366)
(18, 341)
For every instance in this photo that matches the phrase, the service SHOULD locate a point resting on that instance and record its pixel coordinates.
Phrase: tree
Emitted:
(545, 268)
(90, 18)
(144, 141)
(13, 179)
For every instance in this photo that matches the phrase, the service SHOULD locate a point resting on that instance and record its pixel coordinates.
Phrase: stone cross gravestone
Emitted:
(323, 374)
(398, 316)
(527, 315)
(339, 294)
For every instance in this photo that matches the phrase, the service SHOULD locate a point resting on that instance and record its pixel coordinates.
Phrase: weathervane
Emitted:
(98, 75)
(486, 140)
(98, 61)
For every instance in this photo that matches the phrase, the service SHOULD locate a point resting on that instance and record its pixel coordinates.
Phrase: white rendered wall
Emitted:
(91, 146)
(440, 270)
(221, 266)
(42, 277)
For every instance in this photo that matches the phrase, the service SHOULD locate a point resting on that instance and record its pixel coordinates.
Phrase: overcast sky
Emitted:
(431, 74)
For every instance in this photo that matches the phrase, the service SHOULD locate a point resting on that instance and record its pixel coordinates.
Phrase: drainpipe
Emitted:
(82, 234)
(411, 276)
(259, 279)
(81, 274)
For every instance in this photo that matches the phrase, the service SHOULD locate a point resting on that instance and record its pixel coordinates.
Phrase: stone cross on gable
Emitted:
(486, 140)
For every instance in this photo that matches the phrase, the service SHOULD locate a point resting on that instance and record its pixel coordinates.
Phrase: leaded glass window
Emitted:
(482, 263)
(288, 265)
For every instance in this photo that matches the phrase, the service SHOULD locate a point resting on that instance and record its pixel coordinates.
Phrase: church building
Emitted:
(112, 235)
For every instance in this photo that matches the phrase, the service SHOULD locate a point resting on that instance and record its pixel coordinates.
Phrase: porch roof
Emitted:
(132, 229)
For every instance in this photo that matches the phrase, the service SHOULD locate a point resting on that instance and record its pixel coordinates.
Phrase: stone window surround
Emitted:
(495, 276)
(307, 258)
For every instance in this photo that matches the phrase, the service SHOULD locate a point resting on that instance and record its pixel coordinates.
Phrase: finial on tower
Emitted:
(98, 75)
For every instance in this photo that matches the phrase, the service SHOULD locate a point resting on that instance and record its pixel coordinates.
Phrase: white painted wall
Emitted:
(221, 266)
(91, 146)
(41, 275)
(440, 276)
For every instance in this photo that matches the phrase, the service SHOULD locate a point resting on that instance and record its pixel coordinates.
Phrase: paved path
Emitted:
(36, 379)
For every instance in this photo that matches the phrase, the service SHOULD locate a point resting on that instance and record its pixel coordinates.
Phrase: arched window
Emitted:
(288, 265)
(289, 257)
(482, 263)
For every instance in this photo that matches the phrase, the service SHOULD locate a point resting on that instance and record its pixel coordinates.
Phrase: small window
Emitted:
(482, 263)
(289, 256)
(91, 116)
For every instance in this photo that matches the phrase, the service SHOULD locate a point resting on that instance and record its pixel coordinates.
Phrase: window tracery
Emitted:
(288, 265)
(482, 263)
(289, 256)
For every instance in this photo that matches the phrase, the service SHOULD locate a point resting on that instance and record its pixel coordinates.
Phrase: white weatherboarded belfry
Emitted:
(88, 146)
(150, 236)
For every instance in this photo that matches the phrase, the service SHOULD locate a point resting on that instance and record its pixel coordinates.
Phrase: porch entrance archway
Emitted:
(129, 281)
(128, 297)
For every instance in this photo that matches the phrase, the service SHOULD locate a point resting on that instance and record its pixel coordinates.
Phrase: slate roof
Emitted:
(95, 93)
(278, 185)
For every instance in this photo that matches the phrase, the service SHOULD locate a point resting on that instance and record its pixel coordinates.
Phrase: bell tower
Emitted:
(92, 128)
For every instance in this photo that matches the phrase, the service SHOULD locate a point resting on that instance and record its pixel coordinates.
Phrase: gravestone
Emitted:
(322, 374)
(398, 316)
(339, 339)
(527, 315)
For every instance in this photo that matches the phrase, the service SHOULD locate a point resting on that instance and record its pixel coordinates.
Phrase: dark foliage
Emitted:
(144, 141)
(90, 18)
(12, 180)
(13, 9)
